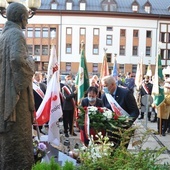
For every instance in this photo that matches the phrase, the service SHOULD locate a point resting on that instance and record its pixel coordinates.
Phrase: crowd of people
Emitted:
(122, 90)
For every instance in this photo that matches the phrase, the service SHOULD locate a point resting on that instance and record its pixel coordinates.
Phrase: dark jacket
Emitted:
(126, 100)
(85, 102)
(67, 98)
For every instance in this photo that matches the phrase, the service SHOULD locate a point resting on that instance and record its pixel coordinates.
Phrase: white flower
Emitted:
(108, 113)
(92, 109)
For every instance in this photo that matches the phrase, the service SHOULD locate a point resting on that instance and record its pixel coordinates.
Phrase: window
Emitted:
(96, 31)
(109, 40)
(54, 5)
(122, 50)
(109, 57)
(30, 48)
(148, 9)
(148, 34)
(68, 67)
(95, 68)
(52, 32)
(37, 32)
(163, 39)
(109, 28)
(135, 33)
(82, 31)
(37, 50)
(68, 48)
(68, 31)
(135, 50)
(148, 51)
(168, 37)
(134, 68)
(163, 56)
(135, 8)
(168, 55)
(82, 6)
(96, 49)
(122, 32)
(45, 32)
(44, 49)
(29, 32)
(69, 5)
(121, 68)
(44, 66)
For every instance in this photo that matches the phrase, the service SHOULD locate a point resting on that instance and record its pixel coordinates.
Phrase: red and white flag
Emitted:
(50, 110)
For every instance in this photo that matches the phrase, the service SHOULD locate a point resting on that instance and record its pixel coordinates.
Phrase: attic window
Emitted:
(54, 5)
(109, 5)
(148, 9)
(69, 5)
(82, 6)
(135, 8)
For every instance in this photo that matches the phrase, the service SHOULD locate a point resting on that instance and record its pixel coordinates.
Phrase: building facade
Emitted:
(131, 29)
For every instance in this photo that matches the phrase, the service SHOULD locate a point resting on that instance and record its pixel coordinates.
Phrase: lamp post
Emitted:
(32, 6)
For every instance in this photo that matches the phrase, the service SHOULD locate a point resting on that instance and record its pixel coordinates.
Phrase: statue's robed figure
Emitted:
(16, 94)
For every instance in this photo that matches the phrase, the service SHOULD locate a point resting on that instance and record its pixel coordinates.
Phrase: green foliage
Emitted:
(120, 158)
(53, 166)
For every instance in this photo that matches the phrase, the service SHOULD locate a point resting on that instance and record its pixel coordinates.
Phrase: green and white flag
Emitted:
(82, 80)
(158, 90)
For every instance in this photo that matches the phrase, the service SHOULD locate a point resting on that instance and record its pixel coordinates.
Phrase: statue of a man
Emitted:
(16, 97)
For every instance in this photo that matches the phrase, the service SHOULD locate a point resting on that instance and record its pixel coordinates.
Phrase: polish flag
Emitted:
(50, 110)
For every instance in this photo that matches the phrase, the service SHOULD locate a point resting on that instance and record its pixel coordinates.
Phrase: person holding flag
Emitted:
(158, 95)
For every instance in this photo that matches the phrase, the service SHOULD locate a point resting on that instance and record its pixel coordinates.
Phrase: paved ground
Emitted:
(154, 141)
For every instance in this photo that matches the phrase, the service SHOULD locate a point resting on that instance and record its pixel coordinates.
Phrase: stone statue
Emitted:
(16, 94)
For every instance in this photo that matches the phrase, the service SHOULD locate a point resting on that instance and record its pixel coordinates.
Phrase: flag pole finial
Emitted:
(105, 49)
(82, 44)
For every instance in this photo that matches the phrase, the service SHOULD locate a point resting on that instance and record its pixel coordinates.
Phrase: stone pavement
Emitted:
(154, 140)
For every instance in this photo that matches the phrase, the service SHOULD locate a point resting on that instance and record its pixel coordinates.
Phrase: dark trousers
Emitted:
(68, 120)
(149, 115)
(164, 125)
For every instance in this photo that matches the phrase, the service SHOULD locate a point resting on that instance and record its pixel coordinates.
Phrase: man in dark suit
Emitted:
(124, 98)
(69, 93)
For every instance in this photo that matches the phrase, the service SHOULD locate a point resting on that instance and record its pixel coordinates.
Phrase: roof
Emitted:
(159, 7)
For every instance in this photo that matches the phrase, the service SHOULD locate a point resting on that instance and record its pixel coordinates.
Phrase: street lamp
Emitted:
(32, 6)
